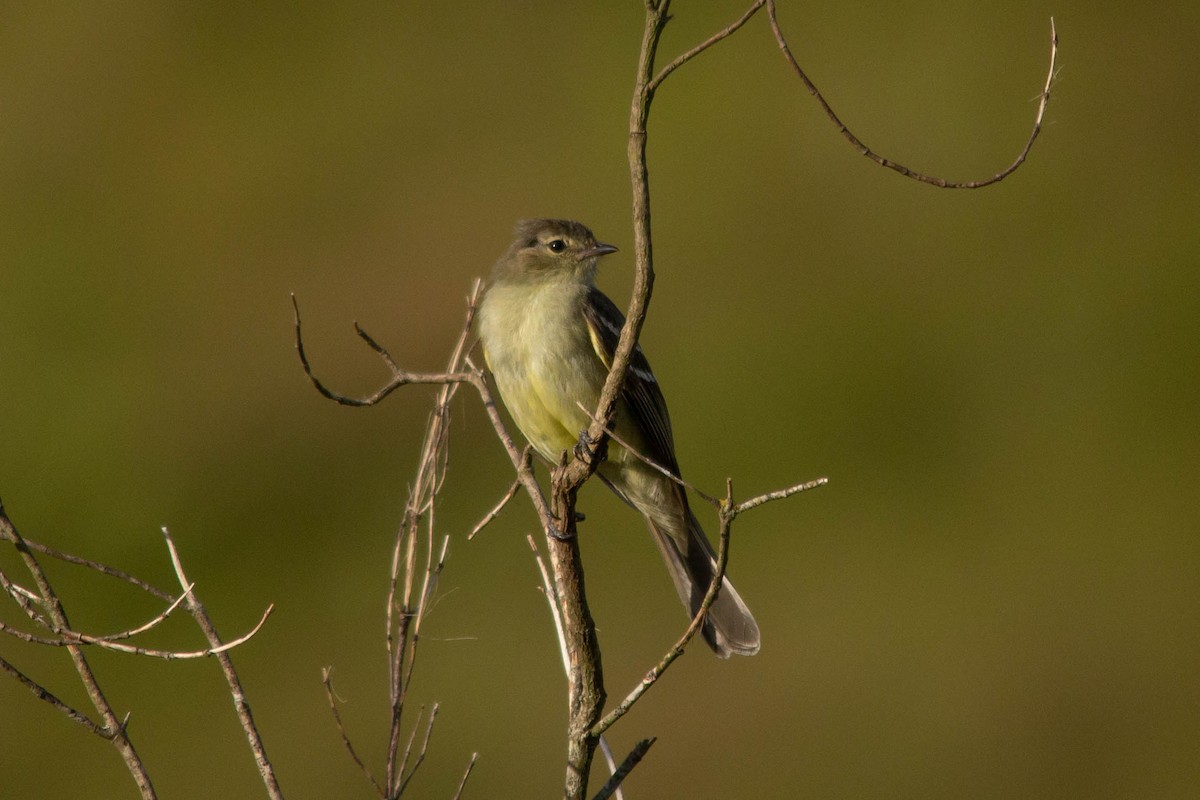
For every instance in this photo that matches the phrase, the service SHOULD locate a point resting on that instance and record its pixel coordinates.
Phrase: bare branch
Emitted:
(463, 783)
(42, 693)
(25, 599)
(715, 501)
(113, 728)
(412, 737)
(399, 376)
(103, 569)
(433, 712)
(403, 632)
(552, 599)
(677, 649)
(635, 756)
(32, 638)
(707, 43)
(523, 466)
(509, 495)
(903, 170)
(779, 494)
(327, 682)
(153, 622)
(240, 704)
(611, 761)
(70, 637)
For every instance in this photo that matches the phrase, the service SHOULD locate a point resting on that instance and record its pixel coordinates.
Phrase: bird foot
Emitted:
(584, 451)
(561, 536)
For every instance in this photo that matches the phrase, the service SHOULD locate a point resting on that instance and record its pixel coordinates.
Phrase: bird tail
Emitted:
(729, 628)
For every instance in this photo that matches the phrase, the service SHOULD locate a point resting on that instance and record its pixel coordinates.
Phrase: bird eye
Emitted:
(557, 246)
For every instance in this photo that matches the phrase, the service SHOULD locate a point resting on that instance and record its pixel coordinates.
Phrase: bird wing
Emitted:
(650, 421)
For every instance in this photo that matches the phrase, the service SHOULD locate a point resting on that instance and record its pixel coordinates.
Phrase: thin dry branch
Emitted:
(613, 787)
(399, 790)
(407, 604)
(31, 638)
(158, 620)
(70, 637)
(103, 569)
(887, 162)
(21, 594)
(399, 377)
(504, 501)
(707, 43)
(403, 637)
(779, 494)
(466, 774)
(645, 459)
(24, 599)
(552, 599)
(611, 762)
(112, 727)
(219, 649)
(42, 693)
(676, 650)
(327, 682)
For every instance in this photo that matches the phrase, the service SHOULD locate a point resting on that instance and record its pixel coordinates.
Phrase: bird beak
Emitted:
(600, 249)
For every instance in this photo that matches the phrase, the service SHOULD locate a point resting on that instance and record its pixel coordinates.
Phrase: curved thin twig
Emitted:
(941, 183)
(167, 655)
(399, 377)
(700, 48)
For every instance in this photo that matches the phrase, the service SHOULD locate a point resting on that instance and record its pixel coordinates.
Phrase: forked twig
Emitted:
(433, 712)
(70, 637)
(728, 511)
(408, 603)
(707, 43)
(399, 377)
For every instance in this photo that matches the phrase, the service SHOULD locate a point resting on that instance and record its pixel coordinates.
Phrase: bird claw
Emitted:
(583, 448)
(562, 536)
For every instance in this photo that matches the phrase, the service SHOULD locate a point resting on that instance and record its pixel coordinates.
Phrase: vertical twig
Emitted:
(585, 685)
(404, 621)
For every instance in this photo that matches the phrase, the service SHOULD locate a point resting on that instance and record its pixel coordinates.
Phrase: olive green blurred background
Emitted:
(998, 594)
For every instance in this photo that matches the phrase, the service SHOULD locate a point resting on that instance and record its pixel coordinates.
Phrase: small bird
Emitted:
(548, 337)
